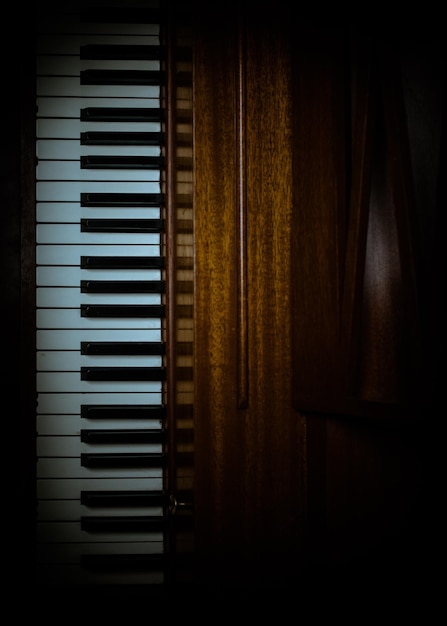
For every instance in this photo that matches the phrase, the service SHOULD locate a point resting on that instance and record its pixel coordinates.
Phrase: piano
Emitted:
(106, 480)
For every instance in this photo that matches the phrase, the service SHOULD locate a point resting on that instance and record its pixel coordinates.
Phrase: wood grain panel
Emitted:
(249, 489)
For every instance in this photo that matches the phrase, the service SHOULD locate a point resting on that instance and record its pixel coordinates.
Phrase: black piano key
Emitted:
(122, 562)
(120, 435)
(122, 459)
(123, 347)
(124, 523)
(123, 373)
(123, 411)
(122, 310)
(130, 52)
(121, 262)
(100, 138)
(89, 225)
(122, 199)
(123, 498)
(122, 286)
(108, 162)
(121, 114)
(121, 77)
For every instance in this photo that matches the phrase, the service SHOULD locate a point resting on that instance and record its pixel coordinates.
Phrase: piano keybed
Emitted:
(101, 508)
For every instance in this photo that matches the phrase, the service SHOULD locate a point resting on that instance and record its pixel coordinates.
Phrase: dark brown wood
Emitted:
(250, 463)
(241, 182)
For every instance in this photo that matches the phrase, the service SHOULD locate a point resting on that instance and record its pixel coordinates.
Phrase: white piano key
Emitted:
(48, 106)
(71, 552)
(71, 468)
(70, 403)
(69, 86)
(72, 212)
(71, 255)
(72, 234)
(71, 318)
(71, 276)
(57, 532)
(73, 149)
(59, 382)
(71, 511)
(63, 361)
(71, 170)
(70, 339)
(70, 488)
(49, 128)
(70, 44)
(66, 446)
(71, 297)
(71, 425)
(55, 191)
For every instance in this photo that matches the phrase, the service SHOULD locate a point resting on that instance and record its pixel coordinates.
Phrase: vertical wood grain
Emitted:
(242, 329)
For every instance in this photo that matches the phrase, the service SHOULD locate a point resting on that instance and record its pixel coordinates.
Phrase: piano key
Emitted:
(71, 171)
(121, 524)
(72, 552)
(121, 262)
(105, 411)
(60, 276)
(70, 339)
(134, 143)
(71, 425)
(122, 139)
(73, 234)
(122, 374)
(112, 454)
(70, 318)
(73, 510)
(59, 382)
(56, 107)
(88, 404)
(96, 197)
(94, 436)
(123, 225)
(122, 310)
(100, 51)
(118, 77)
(73, 212)
(122, 286)
(105, 500)
(51, 191)
(61, 360)
(71, 129)
(113, 162)
(70, 467)
(71, 297)
(119, 113)
(56, 254)
(61, 532)
(70, 44)
(48, 65)
(72, 488)
(124, 348)
(70, 86)
(115, 460)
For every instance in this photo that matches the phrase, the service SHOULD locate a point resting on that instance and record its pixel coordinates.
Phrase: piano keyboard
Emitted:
(100, 316)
